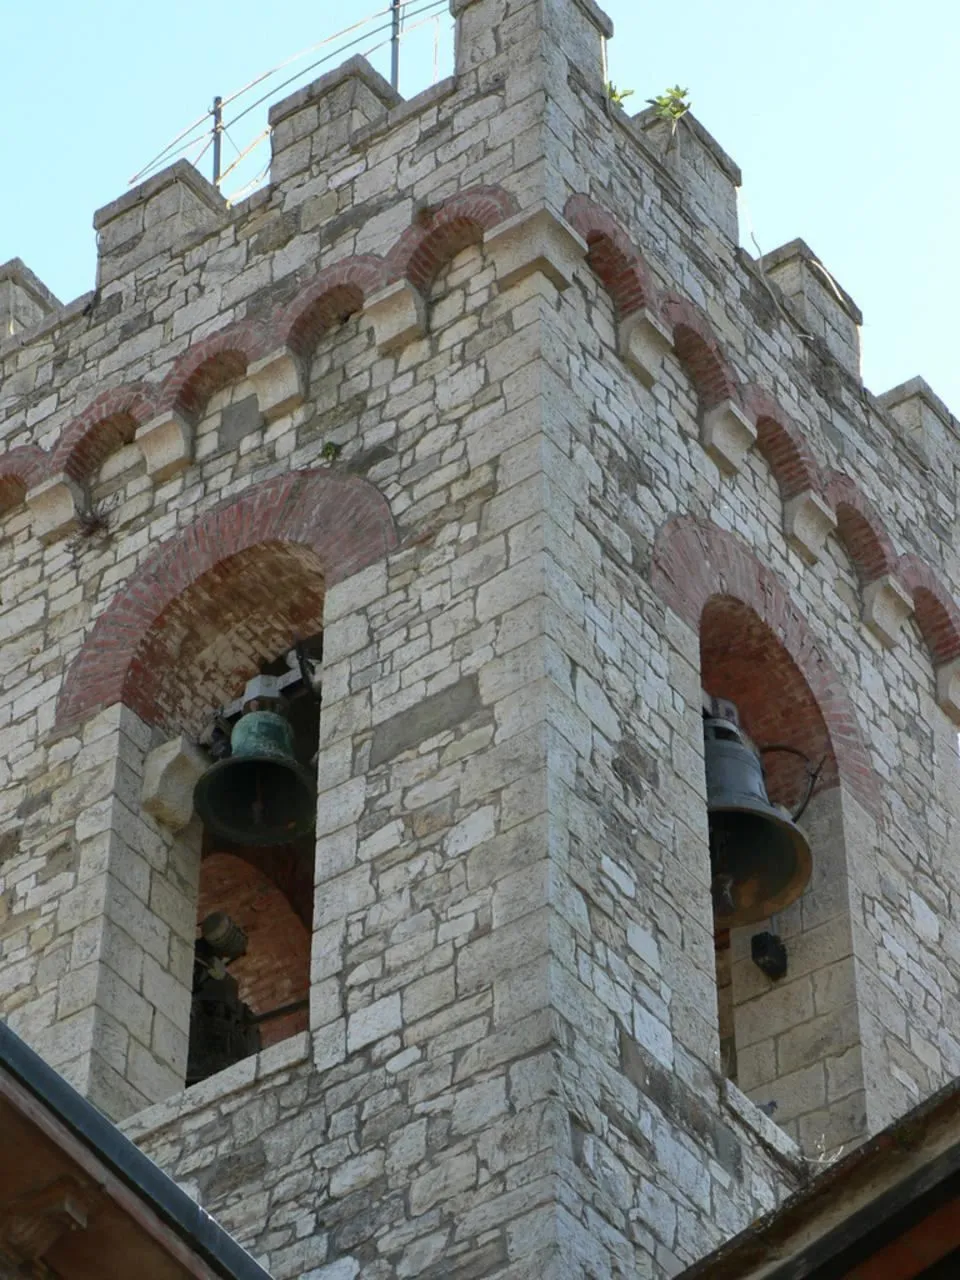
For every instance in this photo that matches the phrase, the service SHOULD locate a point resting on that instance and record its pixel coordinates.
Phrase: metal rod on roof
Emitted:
(217, 137)
(395, 47)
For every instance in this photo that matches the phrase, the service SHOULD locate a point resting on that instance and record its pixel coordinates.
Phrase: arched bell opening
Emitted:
(781, 972)
(253, 622)
(256, 884)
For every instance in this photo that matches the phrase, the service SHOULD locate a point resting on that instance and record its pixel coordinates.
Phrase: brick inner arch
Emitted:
(177, 627)
(695, 562)
(276, 969)
(741, 659)
(203, 648)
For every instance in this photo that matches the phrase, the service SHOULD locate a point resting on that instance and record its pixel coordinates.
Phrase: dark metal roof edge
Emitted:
(776, 1227)
(188, 1219)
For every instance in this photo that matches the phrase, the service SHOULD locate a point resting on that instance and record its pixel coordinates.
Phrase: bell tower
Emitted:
(474, 442)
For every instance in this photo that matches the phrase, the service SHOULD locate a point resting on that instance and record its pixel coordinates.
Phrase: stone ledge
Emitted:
(398, 314)
(69, 311)
(642, 341)
(167, 445)
(291, 1052)
(770, 1135)
(916, 389)
(727, 434)
(278, 382)
(536, 240)
(800, 251)
(808, 521)
(170, 773)
(54, 506)
(647, 119)
(886, 607)
(948, 689)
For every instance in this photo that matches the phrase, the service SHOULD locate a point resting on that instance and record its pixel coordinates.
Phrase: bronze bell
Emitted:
(759, 857)
(223, 1029)
(260, 794)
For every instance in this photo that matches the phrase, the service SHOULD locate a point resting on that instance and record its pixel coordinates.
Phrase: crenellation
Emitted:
(24, 300)
(826, 312)
(152, 218)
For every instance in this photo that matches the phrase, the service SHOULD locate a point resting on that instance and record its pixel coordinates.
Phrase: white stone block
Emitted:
(398, 315)
(886, 606)
(727, 434)
(278, 382)
(948, 689)
(170, 774)
(643, 340)
(537, 240)
(807, 522)
(167, 445)
(374, 1022)
(54, 506)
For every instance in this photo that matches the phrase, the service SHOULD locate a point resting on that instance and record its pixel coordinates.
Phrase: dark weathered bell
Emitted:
(222, 1028)
(759, 857)
(261, 794)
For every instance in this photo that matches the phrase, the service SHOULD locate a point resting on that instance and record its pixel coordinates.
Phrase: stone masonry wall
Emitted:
(482, 386)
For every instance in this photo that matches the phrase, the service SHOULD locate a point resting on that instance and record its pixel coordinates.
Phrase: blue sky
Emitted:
(841, 113)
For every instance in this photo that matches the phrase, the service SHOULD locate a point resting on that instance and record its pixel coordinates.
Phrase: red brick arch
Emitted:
(860, 529)
(107, 424)
(20, 469)
(337, 292)
(612, 257)
(438, 235)
(340, 524)
(694, 563)
(209, 365)
(276, 969)
(935, 610)
(780, 443)
(699, 351)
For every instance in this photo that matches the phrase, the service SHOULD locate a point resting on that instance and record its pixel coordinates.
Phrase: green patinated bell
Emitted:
(261, 794)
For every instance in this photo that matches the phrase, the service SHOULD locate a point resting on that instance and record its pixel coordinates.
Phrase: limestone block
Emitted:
(398, 314)
(536, 240)
(886, 606)
(923, 419)
(24, 300)
(807, 522)
(643, 340)
(948, 689)
(171, 772)
(149, 220)
(727, 434)
(278, 382)
(167, 445)
(54, 505)
(825, 309)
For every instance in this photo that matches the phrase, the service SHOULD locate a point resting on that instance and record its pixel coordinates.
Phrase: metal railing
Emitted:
(394, 28)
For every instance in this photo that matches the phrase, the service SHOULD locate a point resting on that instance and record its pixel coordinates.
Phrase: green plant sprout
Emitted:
(617, 96)
(671, 105)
